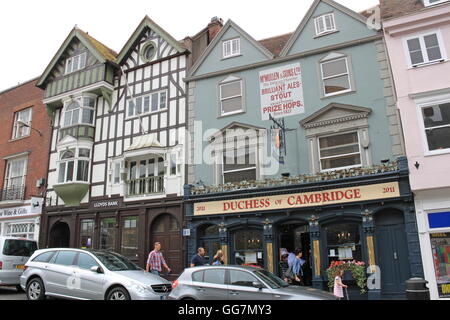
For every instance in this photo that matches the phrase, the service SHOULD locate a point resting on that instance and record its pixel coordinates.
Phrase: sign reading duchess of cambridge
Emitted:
(300, 200)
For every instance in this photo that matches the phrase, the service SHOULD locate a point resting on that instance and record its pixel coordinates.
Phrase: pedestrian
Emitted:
(218, 258)
(291, 258)
(156, 261)
(297, 267)
(338, 285)
(198, 260)
(284, 267)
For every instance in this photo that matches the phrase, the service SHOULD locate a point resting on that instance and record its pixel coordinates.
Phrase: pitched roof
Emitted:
(393, 9)
(276, 44)
(99, 50)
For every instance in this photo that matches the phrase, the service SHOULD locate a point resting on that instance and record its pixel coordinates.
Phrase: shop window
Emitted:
(22, 230)
(339, 151)
(108, 234)
(87, 227)
(440, 246)
(22, 123)
(248, 245)
(130, 240)
(436, 119)
(344, 241)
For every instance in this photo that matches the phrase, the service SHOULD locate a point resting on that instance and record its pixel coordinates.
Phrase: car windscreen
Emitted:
(19, 247)
(270, 279)
(115, 262)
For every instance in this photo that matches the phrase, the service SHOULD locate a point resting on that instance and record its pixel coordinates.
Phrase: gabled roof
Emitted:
(350, 109)
(212, 45)
(310, 13)
(101, 52)
(276, 44)
(147, 22)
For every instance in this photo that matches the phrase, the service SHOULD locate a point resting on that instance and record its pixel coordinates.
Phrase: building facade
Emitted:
(116, 171)
(418, 42)
(295, 142)
(24, 144)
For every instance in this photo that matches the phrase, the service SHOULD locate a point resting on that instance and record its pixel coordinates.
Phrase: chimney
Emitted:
(214, 28)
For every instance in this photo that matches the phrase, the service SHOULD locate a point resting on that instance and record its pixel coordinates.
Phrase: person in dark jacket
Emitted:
(198, 260)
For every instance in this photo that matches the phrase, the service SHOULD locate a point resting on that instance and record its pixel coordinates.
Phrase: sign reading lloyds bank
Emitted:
(281, 91)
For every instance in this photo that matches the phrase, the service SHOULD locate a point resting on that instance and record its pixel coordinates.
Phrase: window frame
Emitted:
(221, 99)
(81, 57)
(17, 126)
(421, 36)
(76, 159)
(132, 104)
(81, 108)
(348, 73)
(322, 18)
(347, 154)
(235, 149)
(8, 172)
(427, 3)
(429, 102)
(230, 42)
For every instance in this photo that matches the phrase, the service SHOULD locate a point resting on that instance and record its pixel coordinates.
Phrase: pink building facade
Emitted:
(419, 49)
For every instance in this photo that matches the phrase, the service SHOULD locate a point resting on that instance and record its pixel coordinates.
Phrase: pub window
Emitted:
(344, 241)
(436, 119)
(130, 240)
(108, 234)
(340, 151)
(239, 161)
(248, 246)
(87, 233)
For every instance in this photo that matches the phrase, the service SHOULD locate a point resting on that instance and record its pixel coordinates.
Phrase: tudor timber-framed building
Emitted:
(116, 170)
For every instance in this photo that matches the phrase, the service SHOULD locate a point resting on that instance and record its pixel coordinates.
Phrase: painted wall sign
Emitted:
(300, 200)
(281, 91)
(17, 212)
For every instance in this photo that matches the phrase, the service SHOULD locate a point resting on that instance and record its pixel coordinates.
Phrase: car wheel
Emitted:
(118, 294)
(35, 290)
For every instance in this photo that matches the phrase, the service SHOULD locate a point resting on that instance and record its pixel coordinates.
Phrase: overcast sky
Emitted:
(31, 31)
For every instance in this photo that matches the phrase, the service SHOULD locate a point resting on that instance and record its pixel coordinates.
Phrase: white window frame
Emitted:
(423, 48)
(222, 113)
(347, 154)
(336, 76)
(142, 99)
(427, 3)
(75, 160)
(8, 177)
(424, 103)
(80, 101)
(81, 63)
(116, 172)
(147, 159)
(28, 234)
(235, 48)
(322, 19)
(234, 148)
(17, 126)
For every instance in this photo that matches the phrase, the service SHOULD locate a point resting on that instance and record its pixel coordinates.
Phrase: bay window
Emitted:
(146, 176)
(74, 166)
(79, 111)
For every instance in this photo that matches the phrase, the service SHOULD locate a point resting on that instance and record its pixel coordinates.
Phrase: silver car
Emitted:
(238, 283)
(14, 253)
(89, 275)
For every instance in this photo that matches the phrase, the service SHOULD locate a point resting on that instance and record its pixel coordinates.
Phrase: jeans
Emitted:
(155, 272)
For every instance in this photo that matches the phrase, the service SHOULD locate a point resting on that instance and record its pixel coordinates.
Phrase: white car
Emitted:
(14, 253)
(89, 275)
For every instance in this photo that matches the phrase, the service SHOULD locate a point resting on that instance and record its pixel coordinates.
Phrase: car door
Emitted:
(91, 283)
(242, 287)
(209, 284)
(61, 274)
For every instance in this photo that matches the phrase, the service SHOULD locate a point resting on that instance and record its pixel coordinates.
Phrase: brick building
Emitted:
(24, 145)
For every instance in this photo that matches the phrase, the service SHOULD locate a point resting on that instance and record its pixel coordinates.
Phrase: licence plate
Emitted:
(20, 266)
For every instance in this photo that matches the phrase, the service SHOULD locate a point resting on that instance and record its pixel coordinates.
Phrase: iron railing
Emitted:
(145, 186)
(13, 193)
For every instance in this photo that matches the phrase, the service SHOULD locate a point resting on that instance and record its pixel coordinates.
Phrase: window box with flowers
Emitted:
(356, 268)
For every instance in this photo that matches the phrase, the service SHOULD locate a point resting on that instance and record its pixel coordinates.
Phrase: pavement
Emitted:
(11, 293)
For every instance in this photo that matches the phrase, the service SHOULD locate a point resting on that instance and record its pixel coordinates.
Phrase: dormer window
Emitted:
(428, 3)
(231, 48)
(325, 24)
(76, 63)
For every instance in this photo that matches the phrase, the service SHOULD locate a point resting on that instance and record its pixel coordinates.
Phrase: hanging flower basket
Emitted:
(357, 269)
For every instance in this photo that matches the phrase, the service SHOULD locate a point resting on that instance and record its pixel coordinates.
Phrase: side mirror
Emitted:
(258, 285)
(96, 269)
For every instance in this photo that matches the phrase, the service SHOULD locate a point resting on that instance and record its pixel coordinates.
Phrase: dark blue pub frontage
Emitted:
(363, 214)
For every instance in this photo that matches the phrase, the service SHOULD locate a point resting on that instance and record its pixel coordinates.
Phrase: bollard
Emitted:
(416, 289)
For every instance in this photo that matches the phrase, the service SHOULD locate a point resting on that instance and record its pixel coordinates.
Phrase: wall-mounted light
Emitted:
(28, 126)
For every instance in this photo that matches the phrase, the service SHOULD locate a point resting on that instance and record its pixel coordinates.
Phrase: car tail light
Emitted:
(1, 265)
(174, 284)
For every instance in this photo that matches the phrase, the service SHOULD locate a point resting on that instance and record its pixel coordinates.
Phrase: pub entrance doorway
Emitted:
(294, 236)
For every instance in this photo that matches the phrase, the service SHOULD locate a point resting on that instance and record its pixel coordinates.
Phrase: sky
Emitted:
(31, 31)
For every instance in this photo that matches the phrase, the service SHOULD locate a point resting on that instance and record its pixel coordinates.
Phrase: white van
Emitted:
(14, 253)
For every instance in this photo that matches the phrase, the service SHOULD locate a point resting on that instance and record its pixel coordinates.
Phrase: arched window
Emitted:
(343, 241)
(74, 165)
(79, 111)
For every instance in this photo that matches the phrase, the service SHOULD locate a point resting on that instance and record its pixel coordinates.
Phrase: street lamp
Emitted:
(27, 125)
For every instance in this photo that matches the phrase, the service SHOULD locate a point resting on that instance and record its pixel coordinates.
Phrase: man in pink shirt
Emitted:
(156, 260)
